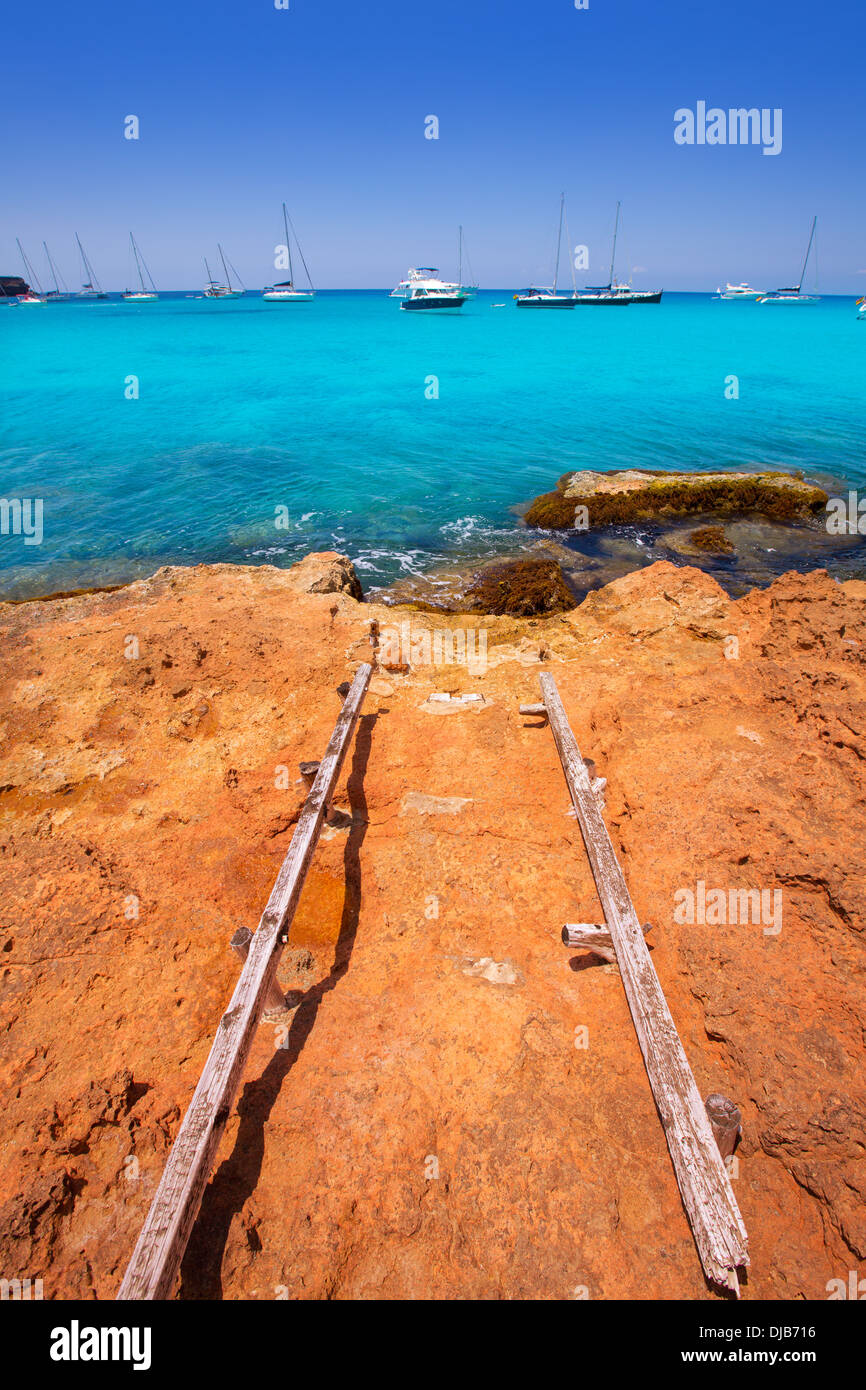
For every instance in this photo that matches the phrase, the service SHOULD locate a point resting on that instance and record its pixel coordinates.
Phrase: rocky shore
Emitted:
(424, 1124)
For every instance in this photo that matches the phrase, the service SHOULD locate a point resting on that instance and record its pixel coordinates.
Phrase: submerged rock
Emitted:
(521, 589)
(627, 495)
(712, 539)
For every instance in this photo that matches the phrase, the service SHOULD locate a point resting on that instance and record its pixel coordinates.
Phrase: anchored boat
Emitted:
(423, 290)
(471, 289)
(28, 297)
(613, 292)
(56, 294)
(91, 288)
(742, 291)
(144, 295)
(284, 292)
(213, 289)
(793, 293)
(549, 298)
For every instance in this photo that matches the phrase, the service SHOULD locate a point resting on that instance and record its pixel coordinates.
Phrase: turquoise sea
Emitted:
(406, 440)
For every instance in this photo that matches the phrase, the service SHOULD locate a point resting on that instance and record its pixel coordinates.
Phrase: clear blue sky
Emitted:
(242, 105)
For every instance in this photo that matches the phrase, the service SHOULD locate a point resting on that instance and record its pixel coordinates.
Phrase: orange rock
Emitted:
(429, 1123)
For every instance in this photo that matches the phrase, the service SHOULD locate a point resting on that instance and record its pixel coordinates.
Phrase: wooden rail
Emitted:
(160, 1248)
(707, 1195)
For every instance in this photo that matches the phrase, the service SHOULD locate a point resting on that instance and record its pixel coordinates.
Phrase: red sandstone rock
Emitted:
(427, 1127)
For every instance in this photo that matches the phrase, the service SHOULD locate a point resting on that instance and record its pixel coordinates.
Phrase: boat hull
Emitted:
(790, 299)
(437, 303)
(587, 301)
(299, 298)
(538, 301)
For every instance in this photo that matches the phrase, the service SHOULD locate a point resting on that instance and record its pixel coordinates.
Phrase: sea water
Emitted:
(190, 430)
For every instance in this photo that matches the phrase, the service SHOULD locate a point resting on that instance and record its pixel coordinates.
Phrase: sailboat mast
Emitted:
(28, 267)
(460, 255)
(558, 241)
(51, 266)
(87, 266)
(613, 250)
(137, 263)
(808, 249)
(288, 246)
(570, 256)
(207, 268)
(81, 254)
(225, 268)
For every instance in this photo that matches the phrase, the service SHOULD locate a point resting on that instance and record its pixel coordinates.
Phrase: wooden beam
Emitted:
(158, 1253)
(275, 1003)
(586, 936)
(725, 1122)
(705, 1187)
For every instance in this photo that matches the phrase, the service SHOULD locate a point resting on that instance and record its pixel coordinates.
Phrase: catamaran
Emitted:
(614, 292)
(548, 298)
(742, 291)
(793, 293)
(284, 291)
(91, 288)
(422, 289)
(29, 297)
(213, 289)
(144, 295)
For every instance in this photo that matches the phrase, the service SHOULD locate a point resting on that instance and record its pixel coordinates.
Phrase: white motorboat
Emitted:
(423, 290)
(742, 291)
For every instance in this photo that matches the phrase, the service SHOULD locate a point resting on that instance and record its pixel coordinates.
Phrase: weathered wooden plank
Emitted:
(158, 1253)
(587, 936)
(707, 1195)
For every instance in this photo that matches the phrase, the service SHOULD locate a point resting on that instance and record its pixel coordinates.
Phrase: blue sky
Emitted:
(242, 105)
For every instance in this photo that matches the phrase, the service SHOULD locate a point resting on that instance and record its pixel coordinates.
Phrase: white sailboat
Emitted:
(144, 295)
(470, 290)
(56, 294)
(793, 294)
(613, 292)
(213, 289)
(91, 288)
(549, 298)
(284, 292)
(29, 297)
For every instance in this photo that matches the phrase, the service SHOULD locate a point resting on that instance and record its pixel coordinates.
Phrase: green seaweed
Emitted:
(712, 539)
(723, 496)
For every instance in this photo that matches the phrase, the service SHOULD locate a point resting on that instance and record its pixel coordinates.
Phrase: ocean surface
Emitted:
(263, 431)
